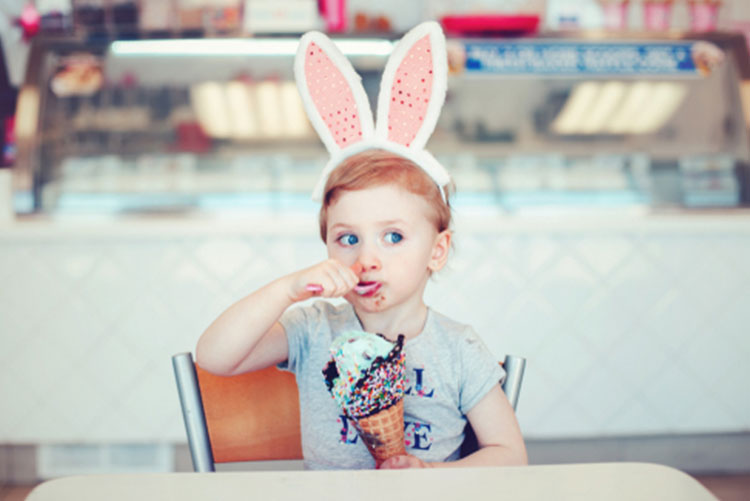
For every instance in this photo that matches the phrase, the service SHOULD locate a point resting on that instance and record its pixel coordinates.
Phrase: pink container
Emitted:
(335, 14)
(703, 16)
(657, 15)
(615, 15)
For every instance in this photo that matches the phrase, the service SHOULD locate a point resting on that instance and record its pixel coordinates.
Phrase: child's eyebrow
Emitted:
(391, 222)
(388, 222)
(340, 225)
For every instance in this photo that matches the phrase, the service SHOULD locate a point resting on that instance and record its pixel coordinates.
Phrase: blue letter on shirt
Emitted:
(421, 441)
(420, 391)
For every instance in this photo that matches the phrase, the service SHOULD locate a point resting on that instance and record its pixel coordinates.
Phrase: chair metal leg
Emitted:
(192, 412)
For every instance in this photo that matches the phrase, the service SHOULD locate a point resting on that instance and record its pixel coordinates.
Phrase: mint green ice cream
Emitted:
(355, 351)
(365, 373)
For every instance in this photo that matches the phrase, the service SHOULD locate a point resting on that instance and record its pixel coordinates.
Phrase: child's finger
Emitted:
(332, 279)
(338, 282)
(348, 277)
(395, 463)
(357, 268)
(352, 276)
(339, 275)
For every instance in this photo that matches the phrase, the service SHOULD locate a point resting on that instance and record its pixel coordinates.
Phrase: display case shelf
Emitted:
(138, 130)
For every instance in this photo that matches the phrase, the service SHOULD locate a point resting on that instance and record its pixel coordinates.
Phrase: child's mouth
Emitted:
(367, 289)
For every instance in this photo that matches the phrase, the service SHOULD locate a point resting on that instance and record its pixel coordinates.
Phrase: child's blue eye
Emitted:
(348, 239)
(393, 237)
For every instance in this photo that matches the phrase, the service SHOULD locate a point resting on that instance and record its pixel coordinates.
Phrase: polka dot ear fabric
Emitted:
(332, 97)
(410, 93)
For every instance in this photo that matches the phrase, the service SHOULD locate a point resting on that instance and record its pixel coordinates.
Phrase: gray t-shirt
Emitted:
(448, 371)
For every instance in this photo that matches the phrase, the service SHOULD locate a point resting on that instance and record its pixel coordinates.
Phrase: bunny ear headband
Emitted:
(412, 92)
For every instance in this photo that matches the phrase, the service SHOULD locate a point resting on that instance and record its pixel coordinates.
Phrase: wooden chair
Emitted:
(255, 416)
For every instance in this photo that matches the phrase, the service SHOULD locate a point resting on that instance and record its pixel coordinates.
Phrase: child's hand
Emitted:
(329, 278)
(402, 462)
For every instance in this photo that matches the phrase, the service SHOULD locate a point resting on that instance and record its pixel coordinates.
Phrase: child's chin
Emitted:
(364, 304)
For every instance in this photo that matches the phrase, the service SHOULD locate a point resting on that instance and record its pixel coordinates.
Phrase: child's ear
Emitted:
(440, 251)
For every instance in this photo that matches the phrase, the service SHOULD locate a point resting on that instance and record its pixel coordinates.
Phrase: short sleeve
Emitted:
(296, 323)
(480, 370)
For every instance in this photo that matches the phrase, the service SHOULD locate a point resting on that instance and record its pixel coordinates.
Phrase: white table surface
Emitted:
(595, 481)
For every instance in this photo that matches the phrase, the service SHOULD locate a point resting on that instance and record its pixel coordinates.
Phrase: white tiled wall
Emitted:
(626, 330)
(625, 333)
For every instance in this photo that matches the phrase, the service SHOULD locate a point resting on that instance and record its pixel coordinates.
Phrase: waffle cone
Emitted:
(383, 432)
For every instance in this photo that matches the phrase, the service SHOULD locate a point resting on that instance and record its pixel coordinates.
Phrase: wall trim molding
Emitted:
(724, 453)
(720, 453)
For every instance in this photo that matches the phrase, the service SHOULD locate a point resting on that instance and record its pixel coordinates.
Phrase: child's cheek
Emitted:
(336, 252)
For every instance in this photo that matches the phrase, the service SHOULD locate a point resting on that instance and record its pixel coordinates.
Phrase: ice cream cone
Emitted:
(383, 432)
(366, 378)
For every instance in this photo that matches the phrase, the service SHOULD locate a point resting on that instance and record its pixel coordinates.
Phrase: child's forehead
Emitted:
(392, 192)
(380, 203)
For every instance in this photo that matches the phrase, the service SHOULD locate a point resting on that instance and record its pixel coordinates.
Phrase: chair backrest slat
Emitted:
(252, 416)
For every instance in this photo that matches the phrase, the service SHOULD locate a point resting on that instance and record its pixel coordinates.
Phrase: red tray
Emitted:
(491, 25)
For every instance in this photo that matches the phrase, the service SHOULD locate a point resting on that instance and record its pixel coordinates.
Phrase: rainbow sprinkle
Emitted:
(363, 391)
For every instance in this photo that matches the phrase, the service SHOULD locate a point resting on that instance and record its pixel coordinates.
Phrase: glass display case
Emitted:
(216, 124)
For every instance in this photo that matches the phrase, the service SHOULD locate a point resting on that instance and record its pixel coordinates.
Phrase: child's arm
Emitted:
(497, 431)
(247, 336)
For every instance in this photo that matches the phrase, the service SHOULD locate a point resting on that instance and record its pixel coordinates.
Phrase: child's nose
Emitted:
(369, 261)
(370, 265)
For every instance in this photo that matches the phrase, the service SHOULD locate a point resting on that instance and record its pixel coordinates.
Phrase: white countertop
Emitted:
(594, 481)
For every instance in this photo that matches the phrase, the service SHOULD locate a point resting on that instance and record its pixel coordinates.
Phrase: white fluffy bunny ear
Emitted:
(412, 91)
(332, 93)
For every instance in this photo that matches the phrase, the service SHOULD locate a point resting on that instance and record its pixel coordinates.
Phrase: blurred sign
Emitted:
(509, 58)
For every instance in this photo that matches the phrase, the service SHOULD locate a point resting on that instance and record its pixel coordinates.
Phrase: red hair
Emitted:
(373, 168)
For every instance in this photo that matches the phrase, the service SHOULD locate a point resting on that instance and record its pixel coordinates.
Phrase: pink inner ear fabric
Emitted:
(410, 93)
(332, 96)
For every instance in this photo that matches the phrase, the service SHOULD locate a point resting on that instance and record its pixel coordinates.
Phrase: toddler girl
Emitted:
(385, 221)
